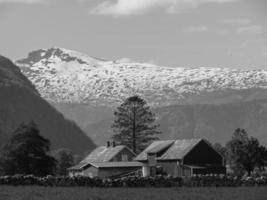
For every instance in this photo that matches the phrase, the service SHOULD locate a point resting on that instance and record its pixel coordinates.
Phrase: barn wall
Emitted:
(108, 172)
(186, 171)
(90, 172)
(170, 167)
(210, 170)
(203, 154)
(119, 156)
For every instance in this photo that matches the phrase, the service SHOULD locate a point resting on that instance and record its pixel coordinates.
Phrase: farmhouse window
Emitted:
(124, 157)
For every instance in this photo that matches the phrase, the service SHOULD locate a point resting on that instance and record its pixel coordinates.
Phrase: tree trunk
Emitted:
(134, 129)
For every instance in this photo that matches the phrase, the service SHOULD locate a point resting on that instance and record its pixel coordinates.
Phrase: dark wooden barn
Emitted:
(181, 158)
(107, 161)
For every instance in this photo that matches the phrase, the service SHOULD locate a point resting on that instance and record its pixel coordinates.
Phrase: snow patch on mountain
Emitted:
(62, 75)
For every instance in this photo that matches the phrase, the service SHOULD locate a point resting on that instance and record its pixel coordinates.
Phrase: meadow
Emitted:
(86, 193)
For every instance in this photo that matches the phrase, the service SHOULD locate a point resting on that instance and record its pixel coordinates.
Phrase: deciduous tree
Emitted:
(26, 152)
(244, 153)
(221, 149)
(64, 159)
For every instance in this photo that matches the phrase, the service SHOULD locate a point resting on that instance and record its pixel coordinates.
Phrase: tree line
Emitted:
(28, 152)
(243, 153)
(135, 127)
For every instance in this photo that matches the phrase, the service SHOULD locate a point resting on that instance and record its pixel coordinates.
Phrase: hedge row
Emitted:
(135, 181)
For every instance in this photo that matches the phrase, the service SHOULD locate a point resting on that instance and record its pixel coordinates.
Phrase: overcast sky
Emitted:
(213, 33)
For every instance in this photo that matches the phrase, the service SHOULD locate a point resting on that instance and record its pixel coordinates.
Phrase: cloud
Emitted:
(264, 53)
(21, 1)
(237, 21)
(137, 7)
(235, 53)
(250, 30)
(196, 29)
(224, 31)
(253, 42)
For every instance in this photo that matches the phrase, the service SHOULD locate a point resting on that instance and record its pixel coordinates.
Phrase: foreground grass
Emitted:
(83, 193)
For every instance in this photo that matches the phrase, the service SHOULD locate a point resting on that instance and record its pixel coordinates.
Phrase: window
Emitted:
(124, 157)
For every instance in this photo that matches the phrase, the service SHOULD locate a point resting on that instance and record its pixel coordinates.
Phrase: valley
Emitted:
(188, 102)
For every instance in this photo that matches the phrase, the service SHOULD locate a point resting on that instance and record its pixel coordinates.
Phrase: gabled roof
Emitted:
(179, 149)
(158, 146)
(175, 149)
(104, 154)
(155, 147)
(117, 164)
(79, 166)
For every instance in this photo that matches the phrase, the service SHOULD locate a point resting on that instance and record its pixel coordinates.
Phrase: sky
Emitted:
(176, 33)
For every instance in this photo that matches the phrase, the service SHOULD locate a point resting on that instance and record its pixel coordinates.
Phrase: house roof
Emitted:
(78, 166)
(103, 154)
(117, 164)
(175, 149)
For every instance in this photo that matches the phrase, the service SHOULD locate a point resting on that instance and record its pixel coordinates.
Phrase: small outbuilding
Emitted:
(179, 158)
(107, 161)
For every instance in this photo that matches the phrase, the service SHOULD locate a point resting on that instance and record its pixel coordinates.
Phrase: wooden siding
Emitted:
(203, 154)
(210, 170)
(169, 167)
(119, 157)
(173, 169)
(186, 171)
(108, 172)
(91, 171)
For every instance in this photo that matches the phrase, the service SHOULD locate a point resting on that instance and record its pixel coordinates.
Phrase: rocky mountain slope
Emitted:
(64, 76)
(189, 102)
(21, 102)
(215, 122)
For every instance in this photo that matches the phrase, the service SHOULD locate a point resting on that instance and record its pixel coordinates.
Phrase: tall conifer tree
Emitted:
(134, 124)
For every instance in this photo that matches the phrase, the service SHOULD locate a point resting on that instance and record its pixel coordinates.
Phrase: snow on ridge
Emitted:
(61, 79)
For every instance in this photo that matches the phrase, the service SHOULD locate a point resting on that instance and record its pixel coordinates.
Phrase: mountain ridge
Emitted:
(67, 76)
(188, 102)
(21, 103)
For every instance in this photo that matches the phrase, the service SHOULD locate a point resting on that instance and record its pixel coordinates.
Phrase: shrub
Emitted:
(135, 181)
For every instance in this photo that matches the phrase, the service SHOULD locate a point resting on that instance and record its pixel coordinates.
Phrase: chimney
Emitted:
(108, 143)
(113, 144)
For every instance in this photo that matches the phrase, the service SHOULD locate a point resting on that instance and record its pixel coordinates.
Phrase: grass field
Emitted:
(83, 193)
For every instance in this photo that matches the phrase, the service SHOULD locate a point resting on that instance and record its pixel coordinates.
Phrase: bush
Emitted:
(135, 181)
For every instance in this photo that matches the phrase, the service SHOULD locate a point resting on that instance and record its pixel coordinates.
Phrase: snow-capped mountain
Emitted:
(67, 76)
(85, 89)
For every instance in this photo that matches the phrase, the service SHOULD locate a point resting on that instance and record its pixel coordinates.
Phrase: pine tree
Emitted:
(134, 124)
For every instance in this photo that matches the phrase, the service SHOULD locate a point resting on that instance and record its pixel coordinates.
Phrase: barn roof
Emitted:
(174, 149)
(103, 154)
(117, 164)
(179, 149)
(158, 146)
